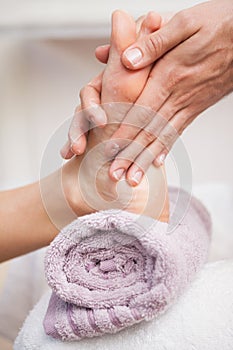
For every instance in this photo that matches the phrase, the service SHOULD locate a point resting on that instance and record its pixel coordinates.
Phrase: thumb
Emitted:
(148, 49)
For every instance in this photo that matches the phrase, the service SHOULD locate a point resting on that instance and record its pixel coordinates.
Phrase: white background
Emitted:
(47, 55)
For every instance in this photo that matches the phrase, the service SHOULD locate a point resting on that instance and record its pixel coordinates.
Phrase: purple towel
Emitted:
(112, 269)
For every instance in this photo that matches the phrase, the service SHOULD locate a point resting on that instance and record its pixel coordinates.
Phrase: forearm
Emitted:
(24, 223)
(31, 216)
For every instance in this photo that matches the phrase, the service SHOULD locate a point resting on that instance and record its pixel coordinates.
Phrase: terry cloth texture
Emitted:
(113, 269)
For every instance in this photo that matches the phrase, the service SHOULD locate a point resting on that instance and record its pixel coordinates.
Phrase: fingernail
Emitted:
(134, 56)
(161, 158)
(137, 177)
(117, 174)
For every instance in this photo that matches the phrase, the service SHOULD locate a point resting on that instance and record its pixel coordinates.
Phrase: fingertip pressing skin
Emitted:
(160, 159)
(135, 178)
(78, 147)
(66, 152)
(102, 53)
(117, 174)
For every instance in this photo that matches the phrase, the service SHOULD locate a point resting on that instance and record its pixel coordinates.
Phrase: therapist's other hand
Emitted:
(193, 70)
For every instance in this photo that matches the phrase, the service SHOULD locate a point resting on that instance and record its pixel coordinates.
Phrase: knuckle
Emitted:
(177, 75)
(126, 133)
(174, 77)
(159, 144)
(171, 110)
(156, 126)
(182, 100)
(161, 93)
(184, 19)
(129, 153)
(147, 136)
(159, 124)
(142, 117)
(155, 45)
(168, 137)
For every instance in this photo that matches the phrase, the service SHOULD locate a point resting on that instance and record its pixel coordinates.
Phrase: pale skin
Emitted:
(31, 216)
(117, 84)
(192, 57)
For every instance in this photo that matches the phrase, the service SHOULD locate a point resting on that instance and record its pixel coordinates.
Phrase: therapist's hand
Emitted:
(90, 109)
(193, 70)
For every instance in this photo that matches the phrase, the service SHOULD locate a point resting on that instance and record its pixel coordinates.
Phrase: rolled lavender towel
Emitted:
(112, 269)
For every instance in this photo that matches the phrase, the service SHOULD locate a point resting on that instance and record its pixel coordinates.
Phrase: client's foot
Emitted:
(119, 88)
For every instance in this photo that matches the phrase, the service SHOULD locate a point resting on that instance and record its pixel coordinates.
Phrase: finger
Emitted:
(78, 131)
(157, 149)
(66, 152)
(76, 143)
(139, 23)
(102, 53)
(147, 50)
(90, 102)
(125, 158)
(158, 127)
(160, 159)
(182, 121)
(151, 22)
(157, 21)
(137, 170)
(90, 110)
(166, 17)
(136, 119)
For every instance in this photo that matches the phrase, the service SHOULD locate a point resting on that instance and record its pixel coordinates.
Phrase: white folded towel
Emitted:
(202, 319)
